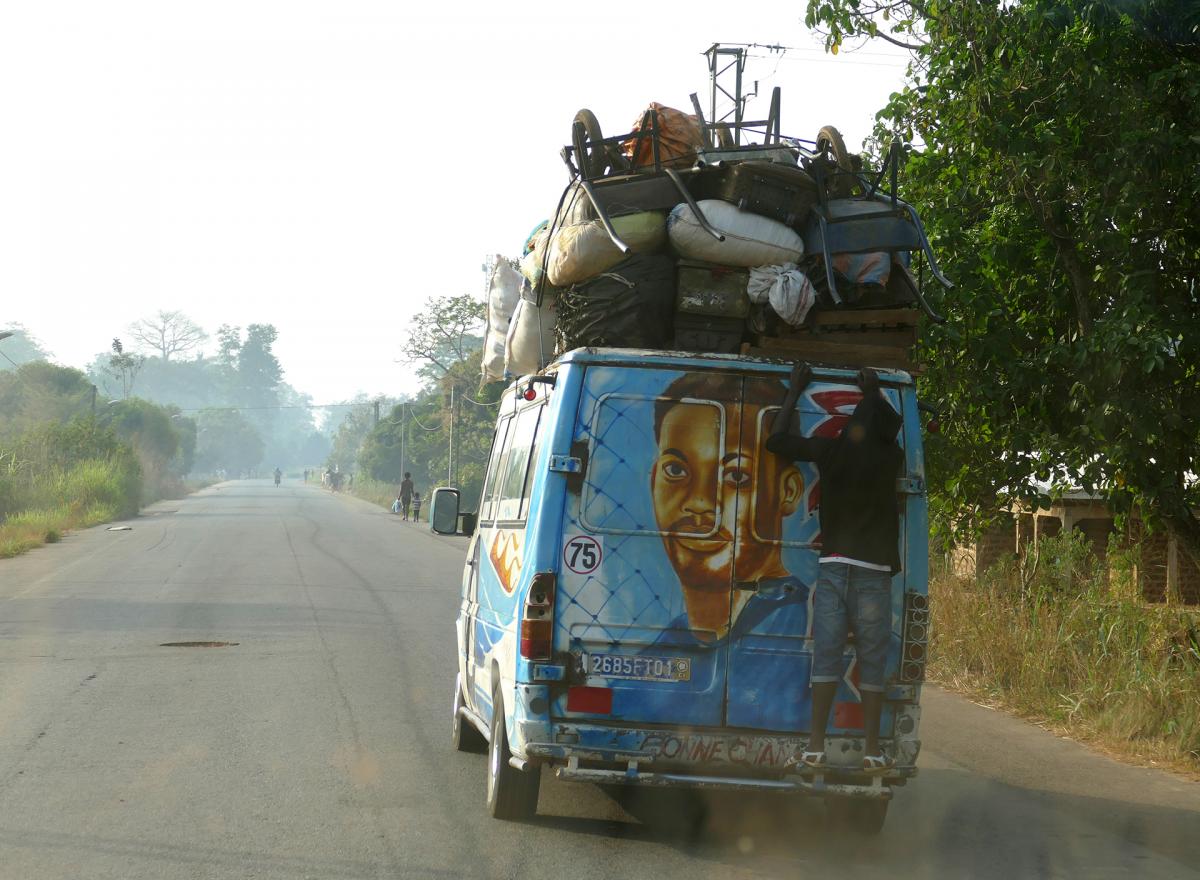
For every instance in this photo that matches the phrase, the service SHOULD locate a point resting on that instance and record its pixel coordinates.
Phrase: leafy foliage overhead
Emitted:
(1057, 176)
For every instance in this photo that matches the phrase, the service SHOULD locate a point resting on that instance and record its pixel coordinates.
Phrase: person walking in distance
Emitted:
(416, 506)
(406, 493)
(860, 532)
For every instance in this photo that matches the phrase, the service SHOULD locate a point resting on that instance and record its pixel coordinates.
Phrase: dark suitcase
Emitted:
(629, 306)
(781, 192)
(708, 333)
(707, 289)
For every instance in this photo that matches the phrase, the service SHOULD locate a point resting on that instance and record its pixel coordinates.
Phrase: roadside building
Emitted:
(1163, 569)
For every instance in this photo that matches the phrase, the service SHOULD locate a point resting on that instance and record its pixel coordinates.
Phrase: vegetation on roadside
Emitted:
(443, 435)
(67, 462)
(1074, 646)
(1053, 163)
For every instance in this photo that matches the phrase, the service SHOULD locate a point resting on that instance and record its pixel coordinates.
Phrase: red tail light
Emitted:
(594, 700)
(537, 620)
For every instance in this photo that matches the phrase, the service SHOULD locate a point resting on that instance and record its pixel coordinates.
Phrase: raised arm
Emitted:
(781, 442)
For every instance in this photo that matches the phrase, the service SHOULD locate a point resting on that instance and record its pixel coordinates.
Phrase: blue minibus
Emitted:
(637, 596)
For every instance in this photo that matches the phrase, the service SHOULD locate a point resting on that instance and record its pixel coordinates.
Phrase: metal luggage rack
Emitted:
(841, 222)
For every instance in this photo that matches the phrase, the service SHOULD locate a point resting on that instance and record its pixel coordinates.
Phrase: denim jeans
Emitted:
(851, 597)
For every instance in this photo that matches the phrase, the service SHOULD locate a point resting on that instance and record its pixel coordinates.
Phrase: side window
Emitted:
(515, 463)
(532, 469)
(486, 501)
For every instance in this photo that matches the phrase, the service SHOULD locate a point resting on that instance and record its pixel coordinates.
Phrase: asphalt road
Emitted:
(316, 747)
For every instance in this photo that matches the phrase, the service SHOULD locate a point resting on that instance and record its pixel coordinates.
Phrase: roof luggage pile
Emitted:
(678, 236)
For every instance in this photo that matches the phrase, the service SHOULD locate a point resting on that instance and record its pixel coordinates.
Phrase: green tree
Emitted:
(20, 348)
(355, 423)
(123, 366)
(427, 423)
(226, 440)
(1057, 178)
(42, 392)
(443, 333)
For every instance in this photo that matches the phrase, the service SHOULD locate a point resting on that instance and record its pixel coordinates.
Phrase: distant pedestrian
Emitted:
(406, 493)
(416, 506)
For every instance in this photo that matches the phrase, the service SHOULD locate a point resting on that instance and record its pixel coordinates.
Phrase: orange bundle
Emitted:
(679, 137)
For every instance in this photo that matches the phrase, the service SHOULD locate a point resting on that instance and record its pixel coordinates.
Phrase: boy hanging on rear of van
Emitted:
(860, 525)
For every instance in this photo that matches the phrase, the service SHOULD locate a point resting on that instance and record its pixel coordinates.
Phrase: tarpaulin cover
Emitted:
(628, 306)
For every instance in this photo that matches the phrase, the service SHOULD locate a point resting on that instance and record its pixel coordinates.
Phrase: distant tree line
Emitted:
(246, 416)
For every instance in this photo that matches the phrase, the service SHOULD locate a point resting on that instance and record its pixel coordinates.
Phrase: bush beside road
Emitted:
(1075, 648)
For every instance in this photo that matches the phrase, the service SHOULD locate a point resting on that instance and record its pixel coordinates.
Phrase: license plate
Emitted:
(640, 668)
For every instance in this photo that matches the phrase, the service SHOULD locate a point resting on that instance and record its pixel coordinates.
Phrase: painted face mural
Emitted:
(718, 495)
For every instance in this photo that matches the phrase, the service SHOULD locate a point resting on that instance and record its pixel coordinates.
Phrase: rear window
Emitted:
(682, 459)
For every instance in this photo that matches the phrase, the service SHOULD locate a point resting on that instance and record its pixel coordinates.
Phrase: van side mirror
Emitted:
(443, 511)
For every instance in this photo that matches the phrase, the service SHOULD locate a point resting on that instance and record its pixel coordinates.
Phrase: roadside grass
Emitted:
(53, 502)
(1075, 648)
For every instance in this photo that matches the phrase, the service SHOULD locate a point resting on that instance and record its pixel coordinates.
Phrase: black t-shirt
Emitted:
(860, 516)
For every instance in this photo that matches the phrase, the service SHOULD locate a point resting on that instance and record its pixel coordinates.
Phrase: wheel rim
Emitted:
(456, 717)
(493, 763)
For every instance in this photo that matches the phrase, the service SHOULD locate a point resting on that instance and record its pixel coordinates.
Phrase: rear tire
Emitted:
(512, 794)
(855, 816)
(463, 735)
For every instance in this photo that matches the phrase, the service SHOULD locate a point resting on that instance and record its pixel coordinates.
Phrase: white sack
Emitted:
(786, 288)
(585, 250)
(523, 354)
(750, 239)
(504, 292)
(504, 289)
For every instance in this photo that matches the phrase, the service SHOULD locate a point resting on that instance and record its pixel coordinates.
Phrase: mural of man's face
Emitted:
(722, 501)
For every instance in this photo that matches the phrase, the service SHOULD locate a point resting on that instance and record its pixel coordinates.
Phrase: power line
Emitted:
(421, 426)
(274, 406)
(781, 50)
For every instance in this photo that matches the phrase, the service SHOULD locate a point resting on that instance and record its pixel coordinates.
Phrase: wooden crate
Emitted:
(850, 337)
(812, 348)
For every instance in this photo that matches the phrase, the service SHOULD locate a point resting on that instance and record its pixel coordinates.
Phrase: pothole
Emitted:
(198, 644)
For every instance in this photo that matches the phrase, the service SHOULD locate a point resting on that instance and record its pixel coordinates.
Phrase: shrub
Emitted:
(1074, 644)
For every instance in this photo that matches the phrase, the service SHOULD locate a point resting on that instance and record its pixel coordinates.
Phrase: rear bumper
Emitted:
(714, 759)
(875, 789)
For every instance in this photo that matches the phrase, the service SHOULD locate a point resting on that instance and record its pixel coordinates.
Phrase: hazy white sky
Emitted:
(326, 166)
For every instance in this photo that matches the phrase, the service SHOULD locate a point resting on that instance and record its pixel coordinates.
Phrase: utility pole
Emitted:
(403, 435)
(721, 71)
(376, 422)
(450, 460)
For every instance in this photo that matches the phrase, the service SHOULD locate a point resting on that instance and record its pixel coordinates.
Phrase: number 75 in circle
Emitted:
(582, 554)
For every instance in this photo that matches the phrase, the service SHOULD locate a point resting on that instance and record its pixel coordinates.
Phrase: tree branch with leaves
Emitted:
(444, 333)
